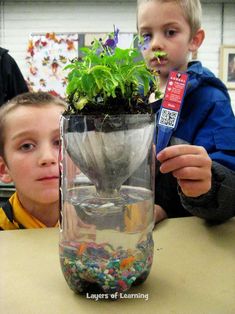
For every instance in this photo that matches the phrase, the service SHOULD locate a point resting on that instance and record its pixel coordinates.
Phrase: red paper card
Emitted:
(175, 89)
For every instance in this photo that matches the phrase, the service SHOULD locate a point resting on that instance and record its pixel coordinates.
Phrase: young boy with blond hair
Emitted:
(196, 176)
(29, 152)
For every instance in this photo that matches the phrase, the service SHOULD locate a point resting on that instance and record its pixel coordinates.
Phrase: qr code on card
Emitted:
(168, 118)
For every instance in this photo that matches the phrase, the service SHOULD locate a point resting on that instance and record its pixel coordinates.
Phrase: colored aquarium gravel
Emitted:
(92, 267)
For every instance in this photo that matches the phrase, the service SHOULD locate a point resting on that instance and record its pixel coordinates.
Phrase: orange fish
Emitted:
(81, 248)
(127, 262)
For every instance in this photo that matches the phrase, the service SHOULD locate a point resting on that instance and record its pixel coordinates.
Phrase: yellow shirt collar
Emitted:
(23, 217)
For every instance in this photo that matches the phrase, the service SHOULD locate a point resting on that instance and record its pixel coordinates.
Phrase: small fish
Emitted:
(82, 248)
(127, 262)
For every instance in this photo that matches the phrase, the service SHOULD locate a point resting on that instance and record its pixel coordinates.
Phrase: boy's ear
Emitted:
(197, 40)
(4, 174)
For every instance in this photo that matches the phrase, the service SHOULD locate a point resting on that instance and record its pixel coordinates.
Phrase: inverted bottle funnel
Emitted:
(108, 149)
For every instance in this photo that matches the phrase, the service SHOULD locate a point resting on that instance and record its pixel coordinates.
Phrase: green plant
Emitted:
(108, 79)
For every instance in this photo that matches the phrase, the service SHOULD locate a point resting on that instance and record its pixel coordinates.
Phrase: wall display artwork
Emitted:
(47, 55)
(227, 66)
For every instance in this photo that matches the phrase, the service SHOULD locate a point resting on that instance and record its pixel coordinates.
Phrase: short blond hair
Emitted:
(192, 11)
(31, 99)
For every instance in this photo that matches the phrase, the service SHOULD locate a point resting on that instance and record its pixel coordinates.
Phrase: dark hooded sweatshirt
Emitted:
(12, 82)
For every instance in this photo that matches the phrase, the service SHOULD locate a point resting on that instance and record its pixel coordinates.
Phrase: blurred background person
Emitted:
(12, 82)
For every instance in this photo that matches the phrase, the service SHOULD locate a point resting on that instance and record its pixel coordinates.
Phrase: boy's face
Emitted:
(167, 30)
(31, 153)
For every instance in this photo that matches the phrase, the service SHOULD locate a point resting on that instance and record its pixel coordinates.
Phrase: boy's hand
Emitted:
(159, 214)
(190, 165)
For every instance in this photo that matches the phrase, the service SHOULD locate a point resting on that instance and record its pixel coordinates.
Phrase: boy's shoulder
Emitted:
(3, 52)
(5, 60)
(7, 214)
(198, 72)
(201, 78)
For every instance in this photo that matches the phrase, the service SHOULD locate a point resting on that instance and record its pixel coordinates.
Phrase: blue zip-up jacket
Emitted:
(206, 120)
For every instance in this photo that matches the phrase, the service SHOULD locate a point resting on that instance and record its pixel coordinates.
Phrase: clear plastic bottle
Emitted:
(107, 200)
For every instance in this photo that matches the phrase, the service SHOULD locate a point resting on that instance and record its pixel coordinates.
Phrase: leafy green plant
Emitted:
(108, 79)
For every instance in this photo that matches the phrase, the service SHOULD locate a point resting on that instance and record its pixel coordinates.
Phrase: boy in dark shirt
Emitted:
(12, 82)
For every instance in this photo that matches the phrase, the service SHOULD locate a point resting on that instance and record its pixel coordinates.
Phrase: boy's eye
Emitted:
(146, 36)
(144, 41)
(57, 142)
(170, 32)
(27, 147)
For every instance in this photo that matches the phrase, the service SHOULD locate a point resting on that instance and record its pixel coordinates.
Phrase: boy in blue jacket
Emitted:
(196, 176)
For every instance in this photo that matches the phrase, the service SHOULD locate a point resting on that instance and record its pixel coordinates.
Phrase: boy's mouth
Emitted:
(160, 57)
(155, 63)
(48, 178)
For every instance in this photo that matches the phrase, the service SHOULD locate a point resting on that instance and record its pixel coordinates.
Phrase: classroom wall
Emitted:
(18, 19)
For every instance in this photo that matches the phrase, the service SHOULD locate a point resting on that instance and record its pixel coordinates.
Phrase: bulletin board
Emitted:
(49, 53)
(47, 56)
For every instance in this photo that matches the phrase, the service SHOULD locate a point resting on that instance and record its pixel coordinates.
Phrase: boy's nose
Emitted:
(48, 157)
(157, 43)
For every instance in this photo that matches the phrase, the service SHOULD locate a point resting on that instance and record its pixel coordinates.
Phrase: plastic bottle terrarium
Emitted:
(107, 165)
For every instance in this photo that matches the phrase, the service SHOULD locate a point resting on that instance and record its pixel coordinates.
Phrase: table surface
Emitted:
(193, 273)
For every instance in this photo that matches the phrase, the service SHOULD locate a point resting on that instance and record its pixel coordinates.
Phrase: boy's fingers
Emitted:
(159, 213)
(187, 162)
(178, 150)
(192, 173)
(192, 188)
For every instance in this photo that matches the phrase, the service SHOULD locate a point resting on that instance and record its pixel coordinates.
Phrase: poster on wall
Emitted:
(227, 66)
(47, 56)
